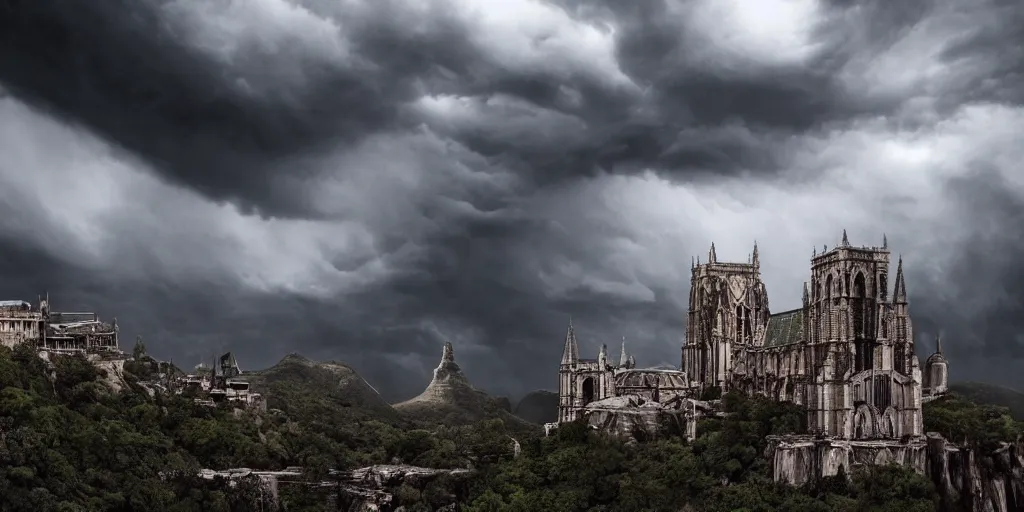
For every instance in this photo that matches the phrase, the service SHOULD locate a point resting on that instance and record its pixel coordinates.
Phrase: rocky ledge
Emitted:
(369, 489)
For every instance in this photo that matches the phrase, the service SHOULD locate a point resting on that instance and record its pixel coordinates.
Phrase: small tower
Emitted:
(936, 371)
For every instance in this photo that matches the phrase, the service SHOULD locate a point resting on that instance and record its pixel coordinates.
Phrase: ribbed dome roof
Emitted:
(936, 358)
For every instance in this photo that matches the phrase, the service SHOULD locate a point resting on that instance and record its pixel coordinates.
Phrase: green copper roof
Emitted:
(785, 328)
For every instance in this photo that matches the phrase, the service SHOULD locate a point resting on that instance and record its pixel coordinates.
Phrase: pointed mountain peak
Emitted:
(447, 354)
(448, 367)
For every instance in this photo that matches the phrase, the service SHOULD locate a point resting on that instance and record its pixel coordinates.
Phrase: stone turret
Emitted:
(936, 371)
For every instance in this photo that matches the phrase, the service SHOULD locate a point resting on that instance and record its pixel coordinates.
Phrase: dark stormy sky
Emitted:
(359, 180)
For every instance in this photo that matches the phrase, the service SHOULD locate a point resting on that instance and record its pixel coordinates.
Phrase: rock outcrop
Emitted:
(635, 417)
(452, 400)
(966, 478)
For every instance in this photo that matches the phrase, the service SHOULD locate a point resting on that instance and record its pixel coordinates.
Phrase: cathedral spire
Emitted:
(712, 256)
(623, 358)
(756, 260)
(938, 344)
(846, 240)
(571, 352)
(885, 241)
(899, 295)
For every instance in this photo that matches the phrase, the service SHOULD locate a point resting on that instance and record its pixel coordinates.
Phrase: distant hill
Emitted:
(991, 394)
(312, 390)
(450, 399)
(538, 407)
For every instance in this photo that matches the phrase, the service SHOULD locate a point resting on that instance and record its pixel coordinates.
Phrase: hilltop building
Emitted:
(847, 354)
(208, 387)
(52, 331)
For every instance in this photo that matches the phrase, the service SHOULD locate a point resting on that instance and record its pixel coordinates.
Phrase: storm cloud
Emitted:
(361, 180)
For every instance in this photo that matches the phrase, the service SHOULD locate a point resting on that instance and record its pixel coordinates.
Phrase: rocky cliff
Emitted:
(978, 481)
(635, 417)
(966, 478)
(369, 489)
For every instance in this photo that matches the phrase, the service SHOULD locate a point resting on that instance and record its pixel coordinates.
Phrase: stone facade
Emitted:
(52, 331)
(847, 354)
(19, 323)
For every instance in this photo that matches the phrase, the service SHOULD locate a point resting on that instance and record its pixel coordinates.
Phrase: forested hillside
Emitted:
(69, 443)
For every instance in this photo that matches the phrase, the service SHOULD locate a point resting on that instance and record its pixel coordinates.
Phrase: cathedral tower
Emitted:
(860, 355)
(728, 310)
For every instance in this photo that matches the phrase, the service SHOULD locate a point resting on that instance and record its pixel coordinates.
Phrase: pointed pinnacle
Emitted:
(885, 241)
(846, 240)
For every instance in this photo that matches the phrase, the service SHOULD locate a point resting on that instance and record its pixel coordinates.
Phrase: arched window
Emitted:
(859, 305)
(828, 287)
(588, 390)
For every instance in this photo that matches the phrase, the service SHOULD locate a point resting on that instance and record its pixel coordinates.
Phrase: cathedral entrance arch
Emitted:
(865, 422)
(587, 390)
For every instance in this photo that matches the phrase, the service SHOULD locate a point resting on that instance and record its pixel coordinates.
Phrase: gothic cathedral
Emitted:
(847, 354)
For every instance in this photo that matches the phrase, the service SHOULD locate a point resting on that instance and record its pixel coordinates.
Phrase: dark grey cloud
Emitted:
(359, 180)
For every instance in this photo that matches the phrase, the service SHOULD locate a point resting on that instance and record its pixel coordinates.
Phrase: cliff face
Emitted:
(799, 459)
(978, 482)
(966, 479)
